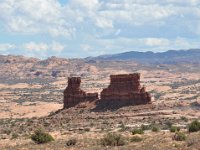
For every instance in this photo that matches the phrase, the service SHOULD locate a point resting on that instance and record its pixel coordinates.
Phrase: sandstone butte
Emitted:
(73, 94)
(123, 87)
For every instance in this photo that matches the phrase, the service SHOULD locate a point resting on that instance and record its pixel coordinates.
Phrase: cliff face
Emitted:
(73, 94)
(126, 87)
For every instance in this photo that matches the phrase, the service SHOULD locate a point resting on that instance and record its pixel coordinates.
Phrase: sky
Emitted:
(82, 28)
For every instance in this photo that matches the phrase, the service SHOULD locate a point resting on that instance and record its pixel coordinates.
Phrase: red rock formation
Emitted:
(74, 95)
(126, 87)
(92, 96)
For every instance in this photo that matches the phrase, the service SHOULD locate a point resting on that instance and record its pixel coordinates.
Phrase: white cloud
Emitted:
(103, 25)
(41, 47)
(85, 4)
(61, 31)
(136, 13)
(35, 17)
(57, 47)
(6, 46)
(164, 2)
(156, 42)
(50, 17)
(38, 47)
(85, 47)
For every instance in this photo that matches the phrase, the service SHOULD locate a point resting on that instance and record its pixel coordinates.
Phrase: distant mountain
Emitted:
(171, 56)
(20, 67)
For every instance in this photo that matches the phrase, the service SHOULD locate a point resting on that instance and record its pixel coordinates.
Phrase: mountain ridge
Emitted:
(170, 56)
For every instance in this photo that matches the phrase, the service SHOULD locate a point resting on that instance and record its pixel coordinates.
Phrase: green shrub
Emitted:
(184, 118)
(71, 142)
(136, 139)
(137, 131)
(123, 128)
(179, 136)
(113, 139)
(14, 136)
(40, 137)
(168, 123)
(146, 127)
(155, 129)
(174, 129)
(194, 126)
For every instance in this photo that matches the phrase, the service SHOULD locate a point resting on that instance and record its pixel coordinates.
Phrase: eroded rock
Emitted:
(126, 87)
(73, 94)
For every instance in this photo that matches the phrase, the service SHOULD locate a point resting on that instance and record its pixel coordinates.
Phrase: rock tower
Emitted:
(126, 87)
(73, 94)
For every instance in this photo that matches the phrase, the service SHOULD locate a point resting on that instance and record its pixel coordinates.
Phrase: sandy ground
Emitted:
(19, 86)
(28, 109)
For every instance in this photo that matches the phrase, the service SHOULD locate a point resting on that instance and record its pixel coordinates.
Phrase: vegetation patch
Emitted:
(179, 136)
(71, 142)
(14, 136)
(136, 139)
(40, 137)
(155, 129)
(146, 127)
(123, 128)
(137, 131)
(174, 129)
(113, 139)
(194, 126)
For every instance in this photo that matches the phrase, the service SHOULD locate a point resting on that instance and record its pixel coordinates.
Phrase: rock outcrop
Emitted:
(73, 94)
(127, 88)
(124, 89)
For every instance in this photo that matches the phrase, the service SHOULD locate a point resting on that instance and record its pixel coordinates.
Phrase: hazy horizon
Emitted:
(65, 57)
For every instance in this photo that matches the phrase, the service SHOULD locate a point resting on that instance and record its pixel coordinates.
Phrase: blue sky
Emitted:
(81, 28)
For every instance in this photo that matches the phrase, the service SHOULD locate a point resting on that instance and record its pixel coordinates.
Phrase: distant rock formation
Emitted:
(74, 95)
(126, 87)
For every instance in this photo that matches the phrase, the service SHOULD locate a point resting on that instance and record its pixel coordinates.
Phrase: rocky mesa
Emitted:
(124, 87)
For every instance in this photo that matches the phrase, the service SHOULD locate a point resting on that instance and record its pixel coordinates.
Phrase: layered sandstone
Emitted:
(126, 87)
(73, 94)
